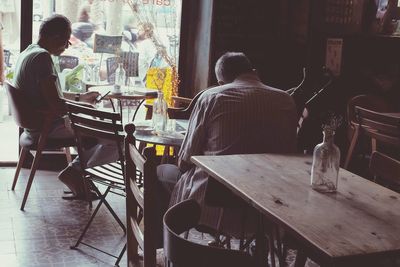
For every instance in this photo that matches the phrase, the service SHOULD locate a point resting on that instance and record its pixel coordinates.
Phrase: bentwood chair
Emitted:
(184, 109)
(92, 123)
(182, 252)
(382, 128)
(370, 102)
(141, 206)
(386, 170)
(27, 117)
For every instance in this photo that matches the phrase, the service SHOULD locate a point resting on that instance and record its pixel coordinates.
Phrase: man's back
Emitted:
(34, 65)
(242, 117)
(248, 117)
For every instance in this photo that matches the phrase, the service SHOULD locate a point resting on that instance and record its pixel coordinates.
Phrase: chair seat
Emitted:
(30, 143)
(108, 174)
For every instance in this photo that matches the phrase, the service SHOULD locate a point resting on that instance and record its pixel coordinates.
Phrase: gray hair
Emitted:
(55, 25)
(231, 65)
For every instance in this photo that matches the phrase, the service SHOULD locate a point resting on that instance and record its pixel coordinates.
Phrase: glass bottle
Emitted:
(325, 166)
(120, 76)
(159, 113)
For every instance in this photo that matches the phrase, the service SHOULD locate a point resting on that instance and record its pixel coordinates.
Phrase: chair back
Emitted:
(140, 199)
(129, 62)
(177, 113)
(89, 123)
(386, 170)
(68, 62)
(382, 127)
(370, 102)
(182, 252)
(24, 114)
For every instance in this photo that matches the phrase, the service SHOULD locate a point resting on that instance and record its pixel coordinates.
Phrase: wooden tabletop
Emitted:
(362, 219)
(172, 138)
(135, 93)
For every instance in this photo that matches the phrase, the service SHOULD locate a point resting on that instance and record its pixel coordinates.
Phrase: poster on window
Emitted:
(7, 6)
(110, 44)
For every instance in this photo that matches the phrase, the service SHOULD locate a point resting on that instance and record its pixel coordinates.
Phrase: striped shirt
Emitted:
(241, 117)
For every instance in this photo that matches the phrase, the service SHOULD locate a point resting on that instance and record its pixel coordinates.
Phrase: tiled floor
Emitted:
(41, 235)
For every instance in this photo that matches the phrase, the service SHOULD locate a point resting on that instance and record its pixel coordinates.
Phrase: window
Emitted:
(106, 32)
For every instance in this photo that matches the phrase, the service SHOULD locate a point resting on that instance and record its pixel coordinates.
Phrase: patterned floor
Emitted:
(42, 234)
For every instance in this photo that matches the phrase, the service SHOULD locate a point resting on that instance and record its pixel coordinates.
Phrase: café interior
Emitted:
(334, 200)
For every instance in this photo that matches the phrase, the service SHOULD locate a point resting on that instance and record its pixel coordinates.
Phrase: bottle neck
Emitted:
(160, 95)
(328, 136)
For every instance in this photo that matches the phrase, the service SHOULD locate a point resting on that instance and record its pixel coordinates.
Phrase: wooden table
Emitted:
(134, 93)
(124, 95)
(358, 223)
(173, 138)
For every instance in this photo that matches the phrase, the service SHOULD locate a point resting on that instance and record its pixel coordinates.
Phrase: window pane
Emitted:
(10, 16)
(143, 35)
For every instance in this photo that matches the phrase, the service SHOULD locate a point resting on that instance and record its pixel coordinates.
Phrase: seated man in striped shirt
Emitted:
(241, 116)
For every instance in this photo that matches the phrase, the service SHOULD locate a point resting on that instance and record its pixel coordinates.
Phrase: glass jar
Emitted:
(325, 166)
(159, 117)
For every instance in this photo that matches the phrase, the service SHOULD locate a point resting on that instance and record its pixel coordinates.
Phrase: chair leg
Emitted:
(301, 259)
(67, 152)
(120, 256)
(21, 160)
(35, 165)
(351, 147)
(271, 246)
(110, 208)
(373, 145)
(91, 218)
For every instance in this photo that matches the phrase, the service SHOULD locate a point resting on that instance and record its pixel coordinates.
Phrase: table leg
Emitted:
(261, 255)
(301, 259)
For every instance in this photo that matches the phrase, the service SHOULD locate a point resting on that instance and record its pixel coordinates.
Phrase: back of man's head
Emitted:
(231, 65)
(55, 25)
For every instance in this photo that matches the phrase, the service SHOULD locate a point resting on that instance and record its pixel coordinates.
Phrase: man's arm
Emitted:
(194, 141)
(56, 103)
(87, 97)
(49, 91)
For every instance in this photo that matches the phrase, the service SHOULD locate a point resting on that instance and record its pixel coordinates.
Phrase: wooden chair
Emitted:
(92, 123)
(178, 112)
(140, 201)
(27, 117)
(380, 127)
(370, 102)
(386, 170)
(182, 252)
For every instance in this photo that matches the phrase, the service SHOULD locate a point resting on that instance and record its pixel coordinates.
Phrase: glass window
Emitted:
(143, 35)
(10, 40)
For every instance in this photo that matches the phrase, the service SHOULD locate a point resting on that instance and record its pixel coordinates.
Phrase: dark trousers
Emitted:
(168, 175)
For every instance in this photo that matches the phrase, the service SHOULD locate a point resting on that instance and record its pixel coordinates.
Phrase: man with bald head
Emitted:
(241, 116)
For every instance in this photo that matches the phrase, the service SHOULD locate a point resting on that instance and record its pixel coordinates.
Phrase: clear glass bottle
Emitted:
(120, 77)
(325, 167)
(159, 113)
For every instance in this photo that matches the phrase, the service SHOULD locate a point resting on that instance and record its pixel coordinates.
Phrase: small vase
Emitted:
(325, 167)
